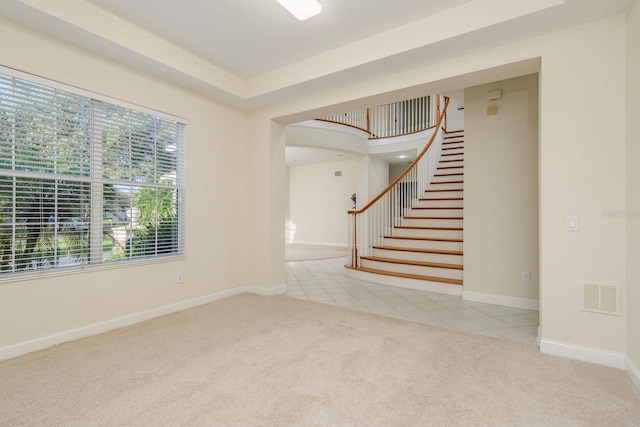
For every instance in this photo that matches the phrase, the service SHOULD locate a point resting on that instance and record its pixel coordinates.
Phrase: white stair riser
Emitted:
(439, 179)
(446, 186)
(440, 213)
(420, 222)
(452, 148)
(439, 203)
(423, 244)
(457, 169)
(428, 233)
(452, 143)
(441, 194)
(413, 269)
(418, 256)
(453, 156)
(457, 163)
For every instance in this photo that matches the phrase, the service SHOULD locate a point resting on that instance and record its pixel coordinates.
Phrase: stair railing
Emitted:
(368, 226)
(396, 119)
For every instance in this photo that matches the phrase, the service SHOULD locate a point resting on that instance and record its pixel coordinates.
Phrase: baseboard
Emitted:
(301, 242)
(529, 304)
(19, 349)
(403, 282)
(633, 372)
(586, 354)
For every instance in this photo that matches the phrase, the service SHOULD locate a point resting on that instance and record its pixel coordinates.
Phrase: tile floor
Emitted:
(324, 281)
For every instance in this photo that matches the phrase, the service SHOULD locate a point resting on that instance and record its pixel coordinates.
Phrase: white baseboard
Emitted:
(19, 349)
(586, 354)
(633, 372)
(402, 282)
(529, 304)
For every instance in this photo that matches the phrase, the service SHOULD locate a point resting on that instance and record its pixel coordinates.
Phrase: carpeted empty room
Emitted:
(262, 361)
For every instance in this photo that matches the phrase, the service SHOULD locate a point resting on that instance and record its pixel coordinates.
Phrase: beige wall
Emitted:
(633, 186)
(501, 189)
(319, 201)
(580, 174)
(216, 203)
(582, 158)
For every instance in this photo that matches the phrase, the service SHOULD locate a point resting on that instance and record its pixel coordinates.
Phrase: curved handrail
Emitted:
(406, 171)
(345, 124)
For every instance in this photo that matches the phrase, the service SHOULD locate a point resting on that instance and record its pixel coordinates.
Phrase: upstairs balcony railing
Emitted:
(399, 118)
(369, 225)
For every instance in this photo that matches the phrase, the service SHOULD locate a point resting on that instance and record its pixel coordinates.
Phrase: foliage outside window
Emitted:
(84, 181)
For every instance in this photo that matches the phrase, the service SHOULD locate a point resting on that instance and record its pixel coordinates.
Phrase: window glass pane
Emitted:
(43, 130)
(44, 223)
(140, 221)
(138, 146)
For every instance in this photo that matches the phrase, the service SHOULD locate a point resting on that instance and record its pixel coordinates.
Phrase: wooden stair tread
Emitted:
(408, 276)
(443, 198)
(441, 191)
(422, 251)
(427, 239)
(451, 161)
(448, 182)
(413, 227)
(414, 263)
(434, 217)
(452, 154)
(436, 208)
(449, 174)
(450, 167)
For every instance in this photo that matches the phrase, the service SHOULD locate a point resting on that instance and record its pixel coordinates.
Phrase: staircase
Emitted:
(427, 245)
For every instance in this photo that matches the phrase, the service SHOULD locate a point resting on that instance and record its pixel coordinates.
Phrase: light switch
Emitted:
(572, 223)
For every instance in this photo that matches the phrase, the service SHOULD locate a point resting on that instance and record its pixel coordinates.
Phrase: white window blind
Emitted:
(85, 182)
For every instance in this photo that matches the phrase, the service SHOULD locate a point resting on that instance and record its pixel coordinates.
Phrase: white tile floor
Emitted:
(325, 282)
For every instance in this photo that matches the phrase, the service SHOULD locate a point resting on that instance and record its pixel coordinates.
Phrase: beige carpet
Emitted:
(302, 252)
(275, 361)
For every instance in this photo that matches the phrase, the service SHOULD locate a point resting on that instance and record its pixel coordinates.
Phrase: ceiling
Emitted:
(249, 37)
(252, 53)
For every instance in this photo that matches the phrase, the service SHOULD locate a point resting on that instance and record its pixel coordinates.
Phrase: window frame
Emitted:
(97, 220)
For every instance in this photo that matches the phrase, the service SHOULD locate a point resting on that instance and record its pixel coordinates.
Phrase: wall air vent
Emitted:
(601, 298)
(337, 173)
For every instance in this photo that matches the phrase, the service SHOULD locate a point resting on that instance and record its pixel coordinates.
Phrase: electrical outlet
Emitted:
(179, 278)
(526, 276)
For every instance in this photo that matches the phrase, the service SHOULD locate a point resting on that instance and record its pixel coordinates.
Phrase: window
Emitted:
(84, 181)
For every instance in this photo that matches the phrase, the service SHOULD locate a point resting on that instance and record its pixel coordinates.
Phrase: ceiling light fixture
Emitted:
(302, 9)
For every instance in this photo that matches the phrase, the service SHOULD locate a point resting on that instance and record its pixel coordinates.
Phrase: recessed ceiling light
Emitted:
(302, 9)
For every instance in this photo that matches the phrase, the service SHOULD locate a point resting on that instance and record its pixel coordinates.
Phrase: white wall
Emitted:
(633, 187)
(455, 116)
(378, 178)
(216, 203)
(395, 171)
(319, 201)
(501, 189)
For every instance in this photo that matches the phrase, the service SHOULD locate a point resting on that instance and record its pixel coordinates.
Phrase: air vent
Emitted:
(337, 173)
(601, 298)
